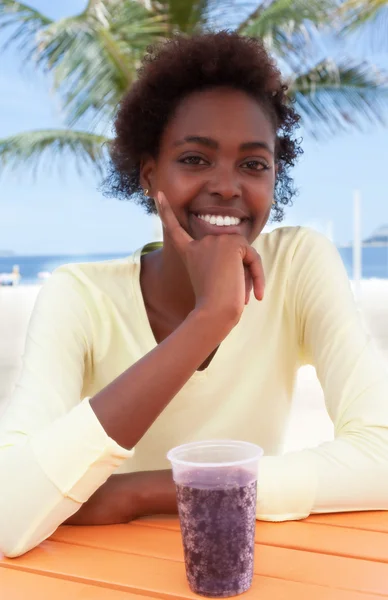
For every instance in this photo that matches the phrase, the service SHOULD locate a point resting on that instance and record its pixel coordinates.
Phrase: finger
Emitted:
(248, 284)
(179, 236)
(253, 261)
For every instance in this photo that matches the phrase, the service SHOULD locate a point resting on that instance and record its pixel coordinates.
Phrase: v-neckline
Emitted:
(151, 342)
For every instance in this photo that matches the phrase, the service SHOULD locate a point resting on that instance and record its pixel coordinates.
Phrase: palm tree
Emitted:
(371, 13)
(92, 58)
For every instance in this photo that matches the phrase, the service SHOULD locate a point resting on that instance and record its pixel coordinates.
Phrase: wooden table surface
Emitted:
(326, 557)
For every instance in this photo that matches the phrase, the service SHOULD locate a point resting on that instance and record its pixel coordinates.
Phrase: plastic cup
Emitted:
(216, 484)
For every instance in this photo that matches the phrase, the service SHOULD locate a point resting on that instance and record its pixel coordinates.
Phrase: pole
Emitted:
(357, 243)
(330, 231)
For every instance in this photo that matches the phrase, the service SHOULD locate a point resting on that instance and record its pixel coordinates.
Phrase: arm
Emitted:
(49, 438)
(351, 472)
(171, 363)
(222, 271)
(129, 496)
(54, 451)
(64, 450)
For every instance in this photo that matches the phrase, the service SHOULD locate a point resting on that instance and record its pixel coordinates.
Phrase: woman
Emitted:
(126, 359)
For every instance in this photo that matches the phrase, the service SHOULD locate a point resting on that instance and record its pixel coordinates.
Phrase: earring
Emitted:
(146, 191)
(274, 202)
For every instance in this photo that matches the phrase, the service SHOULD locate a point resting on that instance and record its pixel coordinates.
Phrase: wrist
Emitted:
(153, 493)
(111, 503)
(213, 321)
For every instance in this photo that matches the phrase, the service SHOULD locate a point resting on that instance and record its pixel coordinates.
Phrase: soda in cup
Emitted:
(216, 484)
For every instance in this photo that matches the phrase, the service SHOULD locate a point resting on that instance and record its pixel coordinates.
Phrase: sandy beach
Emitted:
(309, 423)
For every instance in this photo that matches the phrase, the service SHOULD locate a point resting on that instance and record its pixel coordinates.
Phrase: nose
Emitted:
(224, 183)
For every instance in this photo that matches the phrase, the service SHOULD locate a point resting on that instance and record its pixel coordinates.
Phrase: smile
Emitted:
(220, 220)
(206, 224)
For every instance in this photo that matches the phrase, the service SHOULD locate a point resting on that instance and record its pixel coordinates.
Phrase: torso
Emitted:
(243, 391)
(162, 328)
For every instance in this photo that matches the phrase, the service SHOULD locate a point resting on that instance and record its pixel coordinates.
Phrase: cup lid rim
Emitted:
(211, 443)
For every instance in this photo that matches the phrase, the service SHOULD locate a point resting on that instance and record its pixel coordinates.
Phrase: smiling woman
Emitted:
(128, 358)
(158, 101)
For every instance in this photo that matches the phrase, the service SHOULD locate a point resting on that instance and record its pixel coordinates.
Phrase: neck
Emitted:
(166, 283)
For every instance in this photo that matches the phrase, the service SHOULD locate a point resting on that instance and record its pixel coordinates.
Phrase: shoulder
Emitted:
(291, 243)
(90, 283)
(288, 239)
(293, 256)
(290, 246)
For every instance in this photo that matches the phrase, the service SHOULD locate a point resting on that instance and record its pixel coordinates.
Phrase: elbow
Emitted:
(17, 539)
(31, 507)
(13, 546)
(14, 542)
(17, 536)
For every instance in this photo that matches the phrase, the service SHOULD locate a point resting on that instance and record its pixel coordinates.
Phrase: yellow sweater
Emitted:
(90, 324)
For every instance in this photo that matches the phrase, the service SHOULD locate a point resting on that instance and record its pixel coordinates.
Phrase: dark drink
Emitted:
(218, 529)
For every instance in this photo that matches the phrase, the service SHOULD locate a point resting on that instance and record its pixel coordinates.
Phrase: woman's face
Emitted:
(216, 159)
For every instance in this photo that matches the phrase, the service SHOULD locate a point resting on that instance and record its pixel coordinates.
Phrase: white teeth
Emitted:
(220, 220)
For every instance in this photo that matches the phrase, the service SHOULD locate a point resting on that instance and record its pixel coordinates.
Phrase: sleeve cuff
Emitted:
(287, 487)
(76, 453)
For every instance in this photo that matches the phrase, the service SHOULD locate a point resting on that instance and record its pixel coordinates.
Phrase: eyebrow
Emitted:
(214, 145)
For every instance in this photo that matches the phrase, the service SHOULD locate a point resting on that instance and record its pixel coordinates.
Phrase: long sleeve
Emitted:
(351, 472)
(54, 453)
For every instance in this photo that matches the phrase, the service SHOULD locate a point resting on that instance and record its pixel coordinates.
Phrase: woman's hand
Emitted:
(113, 502)
(128, 496)
(222, 268)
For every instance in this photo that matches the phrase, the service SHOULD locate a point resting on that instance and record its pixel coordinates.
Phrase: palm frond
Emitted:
(339, 96)
(228, 14)
(368, 19)
(25, 22)
(184, 16)
(42, 148)
(285, 25)
(94, 56)
(358, 12)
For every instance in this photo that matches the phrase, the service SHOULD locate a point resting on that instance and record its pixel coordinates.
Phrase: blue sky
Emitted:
(60, 212)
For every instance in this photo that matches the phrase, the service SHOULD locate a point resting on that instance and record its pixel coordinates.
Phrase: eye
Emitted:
(193, 160)
(256, 165)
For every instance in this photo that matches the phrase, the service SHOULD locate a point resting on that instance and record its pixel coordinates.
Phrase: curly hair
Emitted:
(170, 72)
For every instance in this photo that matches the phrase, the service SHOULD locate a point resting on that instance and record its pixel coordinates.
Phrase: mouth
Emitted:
(217, 224)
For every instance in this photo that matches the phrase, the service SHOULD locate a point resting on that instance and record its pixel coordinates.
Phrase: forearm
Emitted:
(155, 493)
(128, 406)
(128, 496)
(111, 503)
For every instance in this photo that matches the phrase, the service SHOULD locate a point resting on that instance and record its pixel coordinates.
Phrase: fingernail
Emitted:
(159, 197)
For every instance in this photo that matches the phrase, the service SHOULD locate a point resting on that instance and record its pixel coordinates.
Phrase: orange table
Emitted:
(333, 557)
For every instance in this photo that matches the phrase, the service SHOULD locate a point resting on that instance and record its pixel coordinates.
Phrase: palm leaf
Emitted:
(94, 56)
(332, 97)
(228, 14)
(358, 12)
(193, 16)
(369, 18)
(184, 16)
(89, 70)
(286, 25)
(36, 149)
(25, 22)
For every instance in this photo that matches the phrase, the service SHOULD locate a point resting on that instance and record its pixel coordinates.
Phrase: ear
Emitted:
(147, 174)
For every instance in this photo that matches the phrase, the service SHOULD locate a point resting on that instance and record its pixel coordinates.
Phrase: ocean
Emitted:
(31, 266)
(374, 259)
